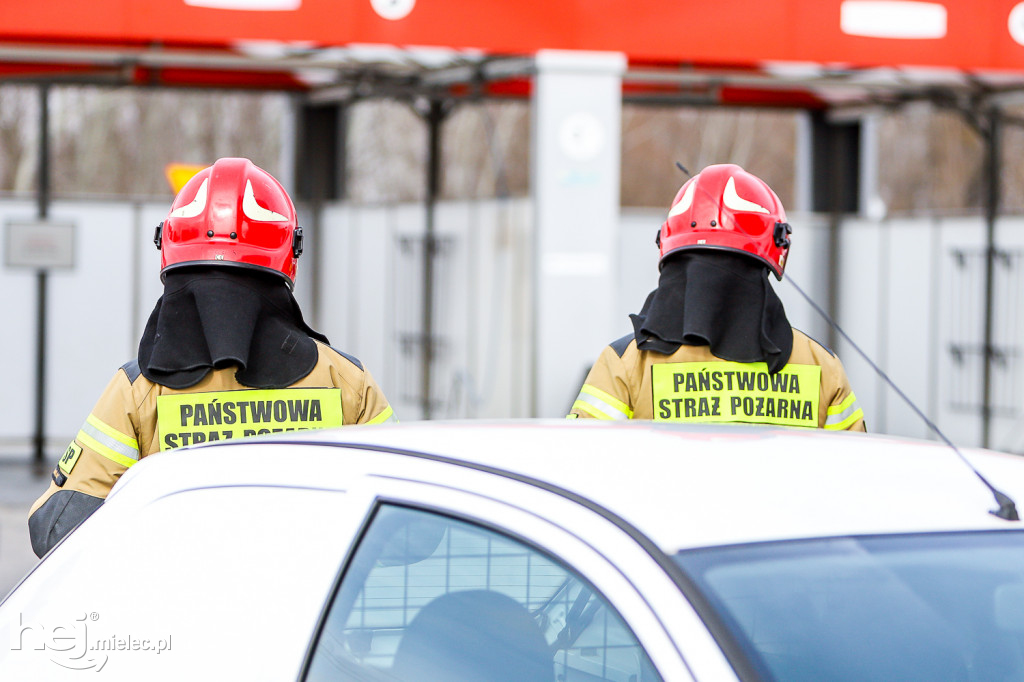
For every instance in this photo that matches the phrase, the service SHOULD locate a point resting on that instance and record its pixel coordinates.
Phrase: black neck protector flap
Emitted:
(209, 318)
(716, 299)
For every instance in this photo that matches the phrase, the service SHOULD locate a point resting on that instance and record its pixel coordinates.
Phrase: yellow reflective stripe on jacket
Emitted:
(843, 415)
(599, 404)
(109, 442)
(190, 418)
(386, 416)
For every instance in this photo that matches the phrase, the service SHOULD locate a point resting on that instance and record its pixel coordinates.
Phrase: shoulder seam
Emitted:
(620, 345)
(132, 370)
(811, 338)
(351, 358)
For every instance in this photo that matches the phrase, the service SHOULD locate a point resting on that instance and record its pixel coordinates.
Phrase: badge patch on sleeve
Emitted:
(70, 458)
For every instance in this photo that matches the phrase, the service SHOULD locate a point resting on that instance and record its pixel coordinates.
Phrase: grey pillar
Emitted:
(993, 143)
(575, 150)
(320, 172)
(435, 114)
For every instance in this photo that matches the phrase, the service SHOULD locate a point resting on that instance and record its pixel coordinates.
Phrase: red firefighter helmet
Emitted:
(231, 213)
(725, 207)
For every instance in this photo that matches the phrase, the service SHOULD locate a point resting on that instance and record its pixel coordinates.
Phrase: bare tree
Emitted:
(19, 112)
(117, 141)
(929, 160)
(386, 152)
(655, 139)
(487, 150)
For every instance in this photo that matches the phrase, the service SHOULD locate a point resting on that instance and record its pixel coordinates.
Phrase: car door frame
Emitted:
(666, 626)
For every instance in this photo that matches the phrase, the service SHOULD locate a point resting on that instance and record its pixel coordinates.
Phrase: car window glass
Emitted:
(938, 607)
(430, 598)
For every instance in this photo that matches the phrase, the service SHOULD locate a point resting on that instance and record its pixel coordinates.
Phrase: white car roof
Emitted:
(684, 486)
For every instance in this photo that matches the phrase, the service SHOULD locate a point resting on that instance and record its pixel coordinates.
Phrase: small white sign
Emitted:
(248, 5)
(894, 19)
(1015, 22)
(39, 244)
(564, 264)
(393, 10)
(581, 136)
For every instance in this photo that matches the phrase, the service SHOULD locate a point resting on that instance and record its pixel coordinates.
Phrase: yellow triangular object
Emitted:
(180, 173)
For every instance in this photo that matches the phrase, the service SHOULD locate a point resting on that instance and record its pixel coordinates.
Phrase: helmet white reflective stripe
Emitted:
(737, 203)
(253, 210)
(685, 201)
(197, 206)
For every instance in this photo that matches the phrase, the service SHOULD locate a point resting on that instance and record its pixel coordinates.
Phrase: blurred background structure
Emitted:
(481, 184)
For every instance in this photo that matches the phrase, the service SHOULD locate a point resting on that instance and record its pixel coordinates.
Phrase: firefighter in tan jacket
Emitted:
(712, 342)
(225, 354)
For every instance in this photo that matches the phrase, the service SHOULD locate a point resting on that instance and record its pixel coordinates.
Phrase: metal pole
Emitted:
(993, 134)
(838, 160)
(43, 195)
(435, 116)
(43, 204)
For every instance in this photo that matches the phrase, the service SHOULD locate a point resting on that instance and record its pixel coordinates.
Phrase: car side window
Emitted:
(430, 598)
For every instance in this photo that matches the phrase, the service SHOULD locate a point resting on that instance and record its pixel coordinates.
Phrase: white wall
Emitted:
(17, 344)
(902, 299)
(93, 316)
(1008, 382)
(371, 302)
(907, 303)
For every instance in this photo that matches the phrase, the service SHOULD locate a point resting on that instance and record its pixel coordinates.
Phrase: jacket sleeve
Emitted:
(106, 445)
(374, 408)
(362, 401)
(605, 392)
(843, 412)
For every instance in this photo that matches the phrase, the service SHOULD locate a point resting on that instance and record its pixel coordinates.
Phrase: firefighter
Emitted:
(712, 342)
(221, 346)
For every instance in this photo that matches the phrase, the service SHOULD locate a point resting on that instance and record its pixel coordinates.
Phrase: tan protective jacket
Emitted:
(135, 417)
(692, 385)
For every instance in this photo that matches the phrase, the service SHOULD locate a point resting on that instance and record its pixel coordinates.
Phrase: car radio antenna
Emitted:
(1007, 508)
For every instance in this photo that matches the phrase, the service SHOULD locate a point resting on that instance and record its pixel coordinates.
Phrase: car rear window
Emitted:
(429, 598)
(913, 607)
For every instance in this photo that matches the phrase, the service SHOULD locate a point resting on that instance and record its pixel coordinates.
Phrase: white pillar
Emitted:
(575, 147)
(871, 206)
(803, 166)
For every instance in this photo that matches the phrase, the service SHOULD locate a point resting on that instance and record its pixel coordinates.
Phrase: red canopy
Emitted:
(179, 42)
